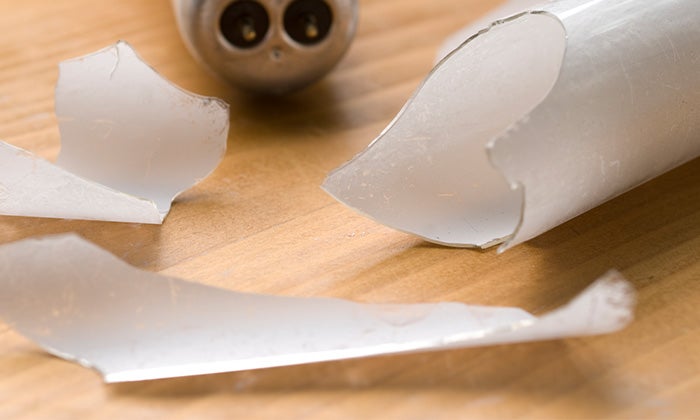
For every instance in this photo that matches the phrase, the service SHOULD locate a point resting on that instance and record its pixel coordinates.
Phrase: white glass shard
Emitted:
(130, 143)
(33, 187)
(83, 304)
(575, 103)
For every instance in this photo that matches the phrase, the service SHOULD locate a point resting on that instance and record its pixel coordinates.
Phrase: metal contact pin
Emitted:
(311, 27)
(248, 30)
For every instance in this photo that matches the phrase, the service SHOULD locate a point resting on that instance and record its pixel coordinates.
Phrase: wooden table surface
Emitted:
(261, 223)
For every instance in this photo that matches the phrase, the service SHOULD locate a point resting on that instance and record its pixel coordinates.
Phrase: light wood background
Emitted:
(261, 223)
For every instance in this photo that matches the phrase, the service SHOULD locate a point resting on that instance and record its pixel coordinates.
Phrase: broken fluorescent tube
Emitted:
(535, 120)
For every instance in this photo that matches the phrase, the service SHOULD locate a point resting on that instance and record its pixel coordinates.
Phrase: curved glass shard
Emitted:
(81, 303)
(130, 143)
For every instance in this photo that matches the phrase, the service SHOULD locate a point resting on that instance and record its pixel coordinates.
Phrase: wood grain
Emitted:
(260, 223)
